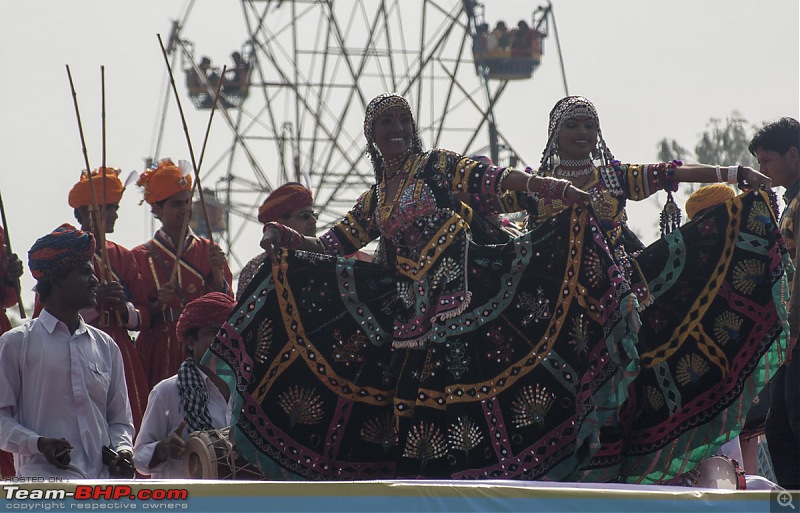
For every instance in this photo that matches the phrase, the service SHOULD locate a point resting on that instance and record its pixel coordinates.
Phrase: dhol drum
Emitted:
(719, 472)
(210, 455)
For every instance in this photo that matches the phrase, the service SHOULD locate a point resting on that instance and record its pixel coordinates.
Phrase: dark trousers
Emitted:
(783, 423)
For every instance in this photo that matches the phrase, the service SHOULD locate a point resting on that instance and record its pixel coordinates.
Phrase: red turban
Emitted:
(66, 247)
(163, 180)
(211, 309)
(81, 193)
(283, 200)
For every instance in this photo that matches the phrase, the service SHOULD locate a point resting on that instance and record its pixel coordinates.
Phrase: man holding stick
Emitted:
(176, 266)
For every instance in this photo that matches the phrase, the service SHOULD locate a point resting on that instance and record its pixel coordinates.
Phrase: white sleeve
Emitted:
(162, 416)
(14, 437)
(118, 411)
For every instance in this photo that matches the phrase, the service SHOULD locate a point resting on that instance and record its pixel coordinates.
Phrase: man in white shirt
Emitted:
(62, 384)
(195, 399)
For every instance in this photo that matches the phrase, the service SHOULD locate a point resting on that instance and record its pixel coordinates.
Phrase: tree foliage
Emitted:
(726, 143)
(723, 142)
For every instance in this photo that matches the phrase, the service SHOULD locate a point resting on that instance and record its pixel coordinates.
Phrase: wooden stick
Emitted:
(103, 142)
(8, 245)
(95, 209)
(98, 226)
(102, 227)
(217, 274)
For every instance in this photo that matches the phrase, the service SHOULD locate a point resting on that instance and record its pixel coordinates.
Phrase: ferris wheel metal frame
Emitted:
(315, 65)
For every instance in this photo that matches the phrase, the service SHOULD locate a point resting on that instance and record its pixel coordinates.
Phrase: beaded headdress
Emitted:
(569, 108)
(375, 108)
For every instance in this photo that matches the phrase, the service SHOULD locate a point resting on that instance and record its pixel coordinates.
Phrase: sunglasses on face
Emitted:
(306, 215)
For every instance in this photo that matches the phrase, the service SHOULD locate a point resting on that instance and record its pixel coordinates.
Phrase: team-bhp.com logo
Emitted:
(96, 492)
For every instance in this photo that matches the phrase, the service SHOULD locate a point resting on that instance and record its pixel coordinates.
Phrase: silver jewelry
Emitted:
(733, 172)
(587, 162)
(573, 173)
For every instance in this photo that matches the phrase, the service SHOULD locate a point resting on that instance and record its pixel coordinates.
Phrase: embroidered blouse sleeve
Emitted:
(462, 174)
(640, 181)
(356, 229)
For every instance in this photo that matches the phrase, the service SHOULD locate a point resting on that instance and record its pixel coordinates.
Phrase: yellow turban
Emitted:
(707, 197)
(163, 180)
(81, 193)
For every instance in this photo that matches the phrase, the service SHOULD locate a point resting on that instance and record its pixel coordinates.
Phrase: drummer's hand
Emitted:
(578, 196)
(271, 242)
(753, 179)
(170, 447)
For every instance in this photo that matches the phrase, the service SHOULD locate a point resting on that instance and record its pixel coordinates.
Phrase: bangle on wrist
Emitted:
(718, 172)
(528, 183)
(554, 187)
(733, 174)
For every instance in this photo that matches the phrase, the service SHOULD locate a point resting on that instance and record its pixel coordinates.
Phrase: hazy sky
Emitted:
(654, 69)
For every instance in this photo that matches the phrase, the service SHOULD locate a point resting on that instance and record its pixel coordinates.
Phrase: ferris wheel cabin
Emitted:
(507, 54)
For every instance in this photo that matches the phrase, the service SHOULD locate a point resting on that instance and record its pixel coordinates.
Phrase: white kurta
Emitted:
(58, 384)
(163, 416)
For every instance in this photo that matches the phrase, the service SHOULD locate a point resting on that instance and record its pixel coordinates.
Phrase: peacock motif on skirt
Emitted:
(690, 369)
(531, 406)
(380, 431)
(727, 327)
(302, 405)
(425, 442)
(747, 275)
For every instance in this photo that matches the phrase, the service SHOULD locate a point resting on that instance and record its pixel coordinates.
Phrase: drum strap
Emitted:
(194, 396)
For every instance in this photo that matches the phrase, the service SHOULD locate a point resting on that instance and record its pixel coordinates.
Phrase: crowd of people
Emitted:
(566, 350)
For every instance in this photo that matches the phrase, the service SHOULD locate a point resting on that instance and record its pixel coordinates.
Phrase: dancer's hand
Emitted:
(749, 178)
(271, 242)
(576, 195)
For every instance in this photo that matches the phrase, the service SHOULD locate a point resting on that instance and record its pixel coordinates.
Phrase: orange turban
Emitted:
(707, 197)
(81, 193)
(283, 200)
(163, 180)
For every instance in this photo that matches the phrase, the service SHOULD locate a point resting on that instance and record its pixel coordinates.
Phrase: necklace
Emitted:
(573, 163)
(574, 168)
(572, 173)
(393, 166)
(385, 205)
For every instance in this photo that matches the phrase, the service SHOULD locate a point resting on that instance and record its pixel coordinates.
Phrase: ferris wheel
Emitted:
(294, 101)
